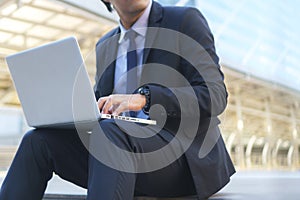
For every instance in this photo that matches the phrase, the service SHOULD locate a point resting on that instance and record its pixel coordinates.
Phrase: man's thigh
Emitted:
(154, 154)
(68, 154)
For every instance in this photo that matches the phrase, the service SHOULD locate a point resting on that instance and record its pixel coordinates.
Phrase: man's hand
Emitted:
(118, 103)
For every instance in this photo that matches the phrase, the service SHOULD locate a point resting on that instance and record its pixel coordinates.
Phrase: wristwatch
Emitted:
(146, 92)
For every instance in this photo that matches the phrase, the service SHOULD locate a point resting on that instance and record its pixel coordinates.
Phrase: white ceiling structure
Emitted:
(28, 23)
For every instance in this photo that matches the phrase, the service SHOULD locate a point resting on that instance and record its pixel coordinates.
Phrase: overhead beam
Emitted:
(255, 80)
(262, 113)
(49, 26)
(3, 2)
(89, 7)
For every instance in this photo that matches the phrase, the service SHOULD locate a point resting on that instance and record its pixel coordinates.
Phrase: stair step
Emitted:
(83, 197)
(63, 197)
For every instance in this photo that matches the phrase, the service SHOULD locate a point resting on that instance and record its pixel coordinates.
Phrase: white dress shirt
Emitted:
(140, 27)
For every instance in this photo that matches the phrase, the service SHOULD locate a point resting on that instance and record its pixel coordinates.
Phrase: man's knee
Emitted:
(114, 133)
(107, 124)
(33, 144)
(30, 138)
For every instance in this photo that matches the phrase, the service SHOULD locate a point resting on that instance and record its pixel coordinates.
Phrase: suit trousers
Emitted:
(43, 152)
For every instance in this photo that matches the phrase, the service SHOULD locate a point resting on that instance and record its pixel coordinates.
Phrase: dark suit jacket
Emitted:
(190, 51)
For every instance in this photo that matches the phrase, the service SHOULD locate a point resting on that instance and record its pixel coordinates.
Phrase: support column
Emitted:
(293, 155)
(249, 151)
(275, 153)
(240, 161)
(267, 158)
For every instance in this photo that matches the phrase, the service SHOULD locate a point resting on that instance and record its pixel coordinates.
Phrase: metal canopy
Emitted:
(28, 23)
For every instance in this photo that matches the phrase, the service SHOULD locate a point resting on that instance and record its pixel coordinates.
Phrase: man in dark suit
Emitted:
(174, 66)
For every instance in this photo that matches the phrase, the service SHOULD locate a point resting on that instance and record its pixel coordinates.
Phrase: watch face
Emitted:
(146, 91)
(140, 90)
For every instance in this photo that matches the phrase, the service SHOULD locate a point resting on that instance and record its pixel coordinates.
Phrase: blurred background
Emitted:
(258, 45)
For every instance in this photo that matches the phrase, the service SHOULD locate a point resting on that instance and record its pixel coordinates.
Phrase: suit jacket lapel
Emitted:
(107, 80)
(154, 22)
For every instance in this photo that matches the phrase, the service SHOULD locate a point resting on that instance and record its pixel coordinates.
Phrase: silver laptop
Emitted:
(54, 87)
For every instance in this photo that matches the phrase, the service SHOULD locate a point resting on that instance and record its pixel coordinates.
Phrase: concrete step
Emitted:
(245, 185)
(83, 197)
(63, 197)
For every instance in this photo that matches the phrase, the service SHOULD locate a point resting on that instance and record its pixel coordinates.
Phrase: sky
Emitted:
(259, 38)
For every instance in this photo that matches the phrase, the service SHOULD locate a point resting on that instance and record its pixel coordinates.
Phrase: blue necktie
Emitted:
(131, 63)
(131, 66)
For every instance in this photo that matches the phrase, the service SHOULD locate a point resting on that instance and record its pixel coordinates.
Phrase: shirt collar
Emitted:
(140, 26)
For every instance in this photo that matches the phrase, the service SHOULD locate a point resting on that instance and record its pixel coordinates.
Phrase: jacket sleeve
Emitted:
(198, 63)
